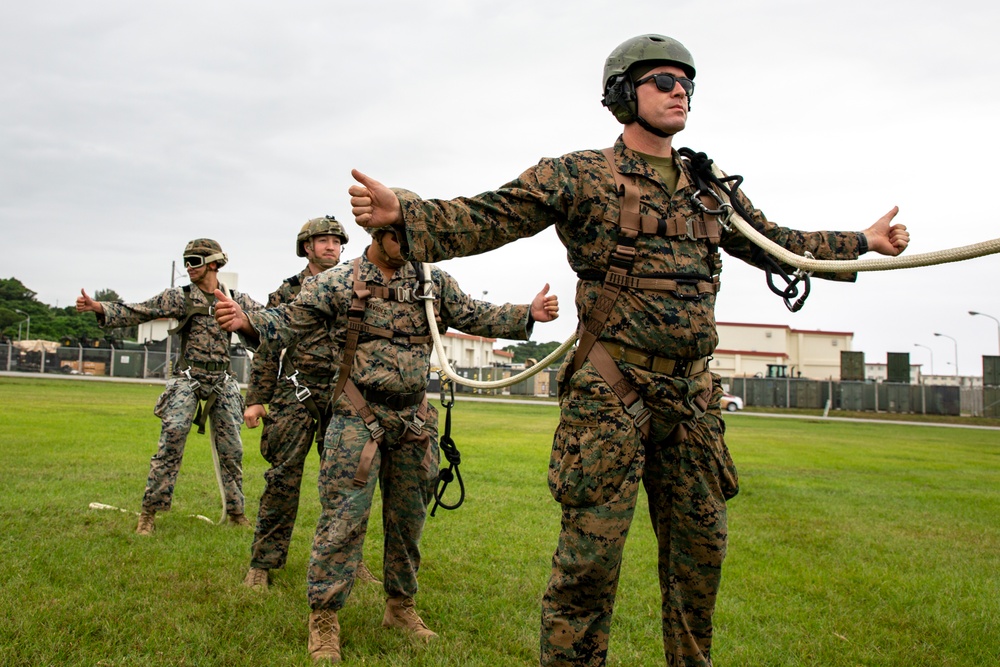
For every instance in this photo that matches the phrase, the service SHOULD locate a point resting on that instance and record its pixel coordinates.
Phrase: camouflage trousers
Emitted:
(406, 468)
(598, 461)
(289, 431)
(177, 407)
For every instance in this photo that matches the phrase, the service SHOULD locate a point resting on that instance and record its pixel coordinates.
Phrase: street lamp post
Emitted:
(956, 349)
(973, 312)
(930, 351)
(27, 334)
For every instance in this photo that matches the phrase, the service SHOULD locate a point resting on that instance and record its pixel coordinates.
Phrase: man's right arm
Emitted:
(168, 303)
(438, 229)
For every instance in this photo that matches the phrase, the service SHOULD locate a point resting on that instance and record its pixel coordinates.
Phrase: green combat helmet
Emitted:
(326, 225)
(650, 51)
(209, 249)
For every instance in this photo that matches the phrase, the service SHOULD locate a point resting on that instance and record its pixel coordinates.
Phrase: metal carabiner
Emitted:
(301, 391)
(187, 373)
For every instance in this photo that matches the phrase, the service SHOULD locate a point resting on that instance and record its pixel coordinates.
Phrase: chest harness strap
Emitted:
(183, 328)
(355, 327)
(304, 395)
(631, 225)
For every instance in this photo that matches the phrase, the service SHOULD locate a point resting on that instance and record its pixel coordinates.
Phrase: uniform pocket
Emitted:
(164, 399)
(592, 451)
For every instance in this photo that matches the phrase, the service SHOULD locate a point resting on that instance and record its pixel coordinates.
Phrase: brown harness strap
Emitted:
(355, 326)
(632, 224)
(377, 432)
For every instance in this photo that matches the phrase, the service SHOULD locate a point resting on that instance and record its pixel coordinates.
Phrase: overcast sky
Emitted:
(127, 129)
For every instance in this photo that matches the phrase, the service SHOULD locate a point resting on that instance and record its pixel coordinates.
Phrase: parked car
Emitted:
(731, 403)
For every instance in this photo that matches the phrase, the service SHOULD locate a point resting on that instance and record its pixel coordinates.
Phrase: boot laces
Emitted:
(325, 627)
(410, 617)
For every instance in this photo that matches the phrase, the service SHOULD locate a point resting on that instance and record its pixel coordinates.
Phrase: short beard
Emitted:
(324, 263)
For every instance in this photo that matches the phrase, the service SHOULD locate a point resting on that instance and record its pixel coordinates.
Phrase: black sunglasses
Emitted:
(666, 82)
(193, 261)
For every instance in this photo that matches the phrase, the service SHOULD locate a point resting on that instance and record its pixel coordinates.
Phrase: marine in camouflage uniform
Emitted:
(391, 374)
(297, 385)
(200, 375)
(659, 333)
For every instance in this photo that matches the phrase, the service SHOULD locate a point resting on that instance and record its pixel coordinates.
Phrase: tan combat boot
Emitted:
(324, 635)
(145, 526)
(399, 613)
(256, 579)
(365, 576)
(239, 520)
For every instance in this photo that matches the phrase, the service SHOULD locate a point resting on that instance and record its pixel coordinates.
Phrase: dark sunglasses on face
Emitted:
(666, 82)
(193, 261)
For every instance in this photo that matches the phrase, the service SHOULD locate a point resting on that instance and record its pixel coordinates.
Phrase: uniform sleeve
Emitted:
(168, 303)
(822, 245)
(320, 303)
(480, 318)
(265, 366)
(439, 229)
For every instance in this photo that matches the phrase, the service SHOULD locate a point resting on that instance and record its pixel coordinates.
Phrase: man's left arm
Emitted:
(882, 237)
(482, 318)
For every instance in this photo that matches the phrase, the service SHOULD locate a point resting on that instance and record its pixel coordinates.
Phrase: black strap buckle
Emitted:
(687, 289)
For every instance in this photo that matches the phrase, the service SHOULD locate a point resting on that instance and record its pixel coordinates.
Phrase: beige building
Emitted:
(467, 351)
(777, 350)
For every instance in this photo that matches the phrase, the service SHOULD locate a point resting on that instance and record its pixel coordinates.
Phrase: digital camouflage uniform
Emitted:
(406, 466)
(289, 427)
(207, 357)
(598, 456)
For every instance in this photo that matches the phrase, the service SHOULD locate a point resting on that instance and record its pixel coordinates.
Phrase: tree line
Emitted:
(18, 303)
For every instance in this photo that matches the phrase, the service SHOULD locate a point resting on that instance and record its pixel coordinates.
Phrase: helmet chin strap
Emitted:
(389, 260)
(654, 130)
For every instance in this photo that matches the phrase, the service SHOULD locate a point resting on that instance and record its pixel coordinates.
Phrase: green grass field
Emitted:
(850, 544)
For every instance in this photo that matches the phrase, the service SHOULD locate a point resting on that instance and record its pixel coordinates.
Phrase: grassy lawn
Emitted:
(850, 544)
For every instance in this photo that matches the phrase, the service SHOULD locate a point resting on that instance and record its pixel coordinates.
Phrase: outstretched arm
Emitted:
(545, 307)
(373, 204)
(885, 238)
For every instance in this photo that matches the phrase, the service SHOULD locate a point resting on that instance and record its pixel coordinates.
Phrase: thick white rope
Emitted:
(102, 506)
(852, 265)
(449, 372)
(217, 464)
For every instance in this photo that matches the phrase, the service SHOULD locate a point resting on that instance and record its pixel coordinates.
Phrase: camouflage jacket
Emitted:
(576, 193)
(315, 354)
(394, 365)
(206, 342)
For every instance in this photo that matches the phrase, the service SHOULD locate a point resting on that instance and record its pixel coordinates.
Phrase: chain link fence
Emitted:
(134, 362)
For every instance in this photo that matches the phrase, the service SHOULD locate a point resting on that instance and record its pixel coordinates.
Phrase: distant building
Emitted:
(777, 350)
(467, 351)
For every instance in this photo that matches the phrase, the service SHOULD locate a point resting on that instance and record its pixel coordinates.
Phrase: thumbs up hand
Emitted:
(373, 204)
(229, 315)
(85, 304)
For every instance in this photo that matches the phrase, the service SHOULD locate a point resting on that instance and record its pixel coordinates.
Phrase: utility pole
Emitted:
(167, 370)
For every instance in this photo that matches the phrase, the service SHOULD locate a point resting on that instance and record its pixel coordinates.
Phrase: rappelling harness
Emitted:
(686, 287)
(183, 329)
(359, 397)
(299, 380)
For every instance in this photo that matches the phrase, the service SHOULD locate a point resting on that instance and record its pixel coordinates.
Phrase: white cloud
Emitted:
(126, 130)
